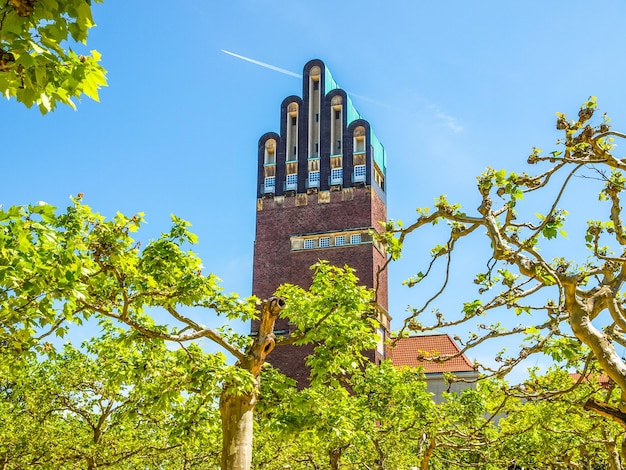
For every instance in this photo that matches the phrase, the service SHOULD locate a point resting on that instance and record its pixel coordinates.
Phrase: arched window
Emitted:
(292, 132)
(359, 140)
(359, 154)
(314, 111)
(336, 134)
(270, 152)
(269, 167)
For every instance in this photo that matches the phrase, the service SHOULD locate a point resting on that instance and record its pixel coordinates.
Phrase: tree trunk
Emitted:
(237, 408)
(428, 453)
(335, 456)
(237, 413)
(613, 455)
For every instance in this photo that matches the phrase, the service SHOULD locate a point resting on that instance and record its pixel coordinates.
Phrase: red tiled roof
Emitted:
(603, 380)
(407, 352)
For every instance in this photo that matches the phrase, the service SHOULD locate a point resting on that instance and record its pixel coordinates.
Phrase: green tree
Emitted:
(334, 425)
(563, 309)
(384, 419)
(61, 268)
(545, 425)
(37, 64)
(121, 401)
(395, 410)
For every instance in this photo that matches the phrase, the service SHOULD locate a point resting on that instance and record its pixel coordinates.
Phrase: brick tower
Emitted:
(320, 192)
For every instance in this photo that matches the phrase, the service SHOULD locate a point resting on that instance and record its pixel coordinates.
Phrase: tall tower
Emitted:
(320, 193)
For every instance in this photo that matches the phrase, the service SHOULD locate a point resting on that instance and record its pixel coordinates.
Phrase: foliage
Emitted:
(387, 420)
(336, 315)
(568, 311)
(57, 269)
(547, 424)
(122, 401)
(60, 269)
(37, 63)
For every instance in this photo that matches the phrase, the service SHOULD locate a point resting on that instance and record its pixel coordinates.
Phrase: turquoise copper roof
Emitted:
(379, 154)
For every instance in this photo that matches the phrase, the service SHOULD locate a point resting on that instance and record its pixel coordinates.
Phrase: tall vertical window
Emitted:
(292, 131)
(270, 152)
(336, 126)
(315, 94)
(380, 346)
(359, 139)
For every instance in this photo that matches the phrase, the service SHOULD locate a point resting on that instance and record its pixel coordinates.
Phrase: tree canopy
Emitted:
(63, 268)
(37, 62)
(572, 311)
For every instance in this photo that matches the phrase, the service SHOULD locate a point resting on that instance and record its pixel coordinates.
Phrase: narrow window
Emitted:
(338, 114)
(380, 347)
(355, 239)
(291, 145)
(270, 155)
(316, 85)
(317, 117)
(359, 136)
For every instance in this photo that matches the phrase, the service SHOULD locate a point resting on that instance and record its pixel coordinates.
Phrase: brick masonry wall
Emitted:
(275, 263)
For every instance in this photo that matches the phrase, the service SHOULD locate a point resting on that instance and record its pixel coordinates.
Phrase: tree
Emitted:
(121, 401)
(544, 424)
(36, 66)
(566, 310)
(70, 267)
(384, 419)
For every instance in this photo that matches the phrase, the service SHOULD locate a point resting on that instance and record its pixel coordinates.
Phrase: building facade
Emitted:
(320, 193)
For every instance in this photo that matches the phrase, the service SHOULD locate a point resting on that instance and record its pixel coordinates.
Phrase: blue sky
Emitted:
(449, 87)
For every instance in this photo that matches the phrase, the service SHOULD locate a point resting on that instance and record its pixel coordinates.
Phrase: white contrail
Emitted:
(293, 74)
(263, 64)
